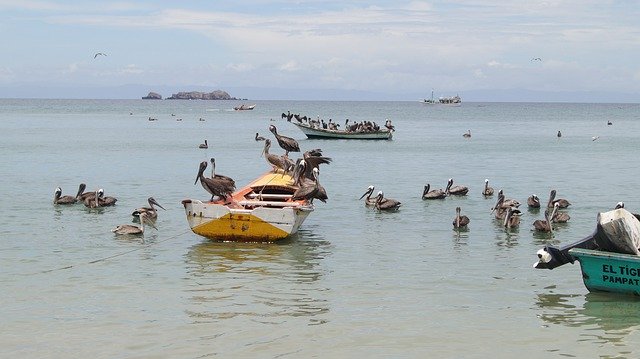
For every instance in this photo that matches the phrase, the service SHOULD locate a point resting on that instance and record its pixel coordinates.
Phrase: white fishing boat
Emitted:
(318, 132)
(263, 211)
(244, 107)
(453, 101)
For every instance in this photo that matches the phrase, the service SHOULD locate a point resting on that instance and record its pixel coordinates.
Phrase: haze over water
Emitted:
(354, 282)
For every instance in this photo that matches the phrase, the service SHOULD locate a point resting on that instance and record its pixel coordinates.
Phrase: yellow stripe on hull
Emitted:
(240, 227)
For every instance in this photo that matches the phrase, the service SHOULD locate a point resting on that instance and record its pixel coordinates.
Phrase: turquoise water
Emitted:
(353, 282)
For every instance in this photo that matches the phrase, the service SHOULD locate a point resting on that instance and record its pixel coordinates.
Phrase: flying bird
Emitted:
(536, 59)
(99, 54)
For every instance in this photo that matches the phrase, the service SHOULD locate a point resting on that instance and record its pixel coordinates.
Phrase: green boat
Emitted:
(609, 258)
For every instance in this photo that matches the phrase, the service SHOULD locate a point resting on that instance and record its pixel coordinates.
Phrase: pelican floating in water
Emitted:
(131, 229)
(460, 221)
(386, 204)
(93, 201)
(58, 198)
(368, 201)
(563, 203)
(559, 217)
(457, 190)
(467, 134)
(150, 212)
(106, 201)
(259, 138)
(216, 187)
(204, 145)
(533, 201)
(434, 194)
(288, 144)
(488, 191)
(559, 134)
(544, 225)
(512, 218)
(82, 195)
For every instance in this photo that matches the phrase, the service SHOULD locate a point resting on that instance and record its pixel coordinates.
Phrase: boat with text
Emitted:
(315, 131)
(609, 258)
(262, 211)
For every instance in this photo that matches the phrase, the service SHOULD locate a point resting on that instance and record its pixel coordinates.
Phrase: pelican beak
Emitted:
(366, 193)
(197, 178)
(158, 204)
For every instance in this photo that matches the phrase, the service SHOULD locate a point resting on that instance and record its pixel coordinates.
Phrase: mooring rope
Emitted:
(103, 259)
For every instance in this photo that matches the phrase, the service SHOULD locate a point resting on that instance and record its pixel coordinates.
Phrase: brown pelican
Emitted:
(563, 203)
(216, 187)
(106, 201)
(488, 191)
(621, 205)
(368, 201)
(220, 177)
(533, 201)
(204, 145)
(309, 190)
(508, 202)
(259, 138)
(512, 218)
(457, 190)
(288, 144)
(609, 123)
(93, 201)
(559, 134)
(544, 225)
(467, 134)
(559, 217)
(435, 194)
(386, 204)
(274, 160)
(460, 221)
(82, 195)
(58, 198)
(133, 229)
(150, 212)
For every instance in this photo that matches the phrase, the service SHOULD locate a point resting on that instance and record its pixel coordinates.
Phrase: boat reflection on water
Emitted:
(266, 282)
(616, 315)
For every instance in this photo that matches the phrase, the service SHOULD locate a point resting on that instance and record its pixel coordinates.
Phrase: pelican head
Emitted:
(267, 145)
(486, 181)
(426, 189)
(368, 192)
(273, 129)
(203, 166)
(619, 205)
(152, 200)
(380, 196)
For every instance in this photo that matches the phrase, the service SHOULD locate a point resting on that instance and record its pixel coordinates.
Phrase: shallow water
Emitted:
(353, 282)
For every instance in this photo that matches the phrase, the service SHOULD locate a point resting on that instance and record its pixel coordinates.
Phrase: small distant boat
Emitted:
(609, 259)
(317, 132)
(262, 211)
(244, 107)
(453, 101)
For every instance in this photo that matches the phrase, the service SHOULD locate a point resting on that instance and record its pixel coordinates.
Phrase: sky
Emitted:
(312, 49)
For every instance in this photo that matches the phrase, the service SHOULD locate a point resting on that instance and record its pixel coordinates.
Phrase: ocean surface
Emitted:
(353, 282)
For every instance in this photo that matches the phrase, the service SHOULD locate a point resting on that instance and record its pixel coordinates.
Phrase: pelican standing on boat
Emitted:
(274, 160)
(562, 203)
(131, 229)
(221, 177)
(488, 191)
(386, 204)
(368, 201)
(150, 212)
(288, 144)
(460, 221)
(309, 190)
(204, 145)
(215, 186)
(58, 198)
(434, 194)
(457, 190)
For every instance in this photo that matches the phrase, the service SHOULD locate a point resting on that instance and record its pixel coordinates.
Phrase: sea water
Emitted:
(353, 282)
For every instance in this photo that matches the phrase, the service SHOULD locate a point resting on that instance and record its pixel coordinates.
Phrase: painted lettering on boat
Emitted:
(624, 275)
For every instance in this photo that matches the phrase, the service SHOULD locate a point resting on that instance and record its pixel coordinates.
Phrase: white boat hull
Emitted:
(312, 132)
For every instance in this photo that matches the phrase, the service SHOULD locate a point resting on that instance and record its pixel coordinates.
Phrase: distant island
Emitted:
(192, 95)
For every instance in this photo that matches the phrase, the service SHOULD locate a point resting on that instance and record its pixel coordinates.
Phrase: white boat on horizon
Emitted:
(453, 101)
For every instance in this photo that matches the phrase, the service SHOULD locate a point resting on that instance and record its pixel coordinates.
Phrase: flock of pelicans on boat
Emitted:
(362, 126)
(505, 210)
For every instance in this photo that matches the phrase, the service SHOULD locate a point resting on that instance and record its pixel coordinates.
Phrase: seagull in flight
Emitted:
(536, 59)
(98, 54)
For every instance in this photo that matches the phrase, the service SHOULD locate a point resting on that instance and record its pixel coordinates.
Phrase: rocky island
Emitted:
(152, 96)
(193, 95)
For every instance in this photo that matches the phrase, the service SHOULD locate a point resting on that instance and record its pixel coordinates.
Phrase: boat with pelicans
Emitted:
(313, 131)
(609, 258)
(262, 211)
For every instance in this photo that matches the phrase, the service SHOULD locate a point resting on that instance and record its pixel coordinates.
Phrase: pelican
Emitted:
(460, 221)
(288, 144)
(386, 204)
(133, 229)
(512, 218)
(93, 201)
(594, 138)
(559, 134)
(274, 160)
(368, 201)
(58, 198)
(220, 177)
(106, 201)
(559, 217)
(621, 205)
(533, 201)
(508, 202)
(435, 194)
(467, 134)
(309, 190)
(82, 195)
(563, 203)
(457, 190)
(215, 186)
(544, 225)
(150, 212)
(609, 123)
(488, 191)
(259, 138)
(204, 145)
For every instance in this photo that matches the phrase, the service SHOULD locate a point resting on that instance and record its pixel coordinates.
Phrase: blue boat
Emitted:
(609, 258)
